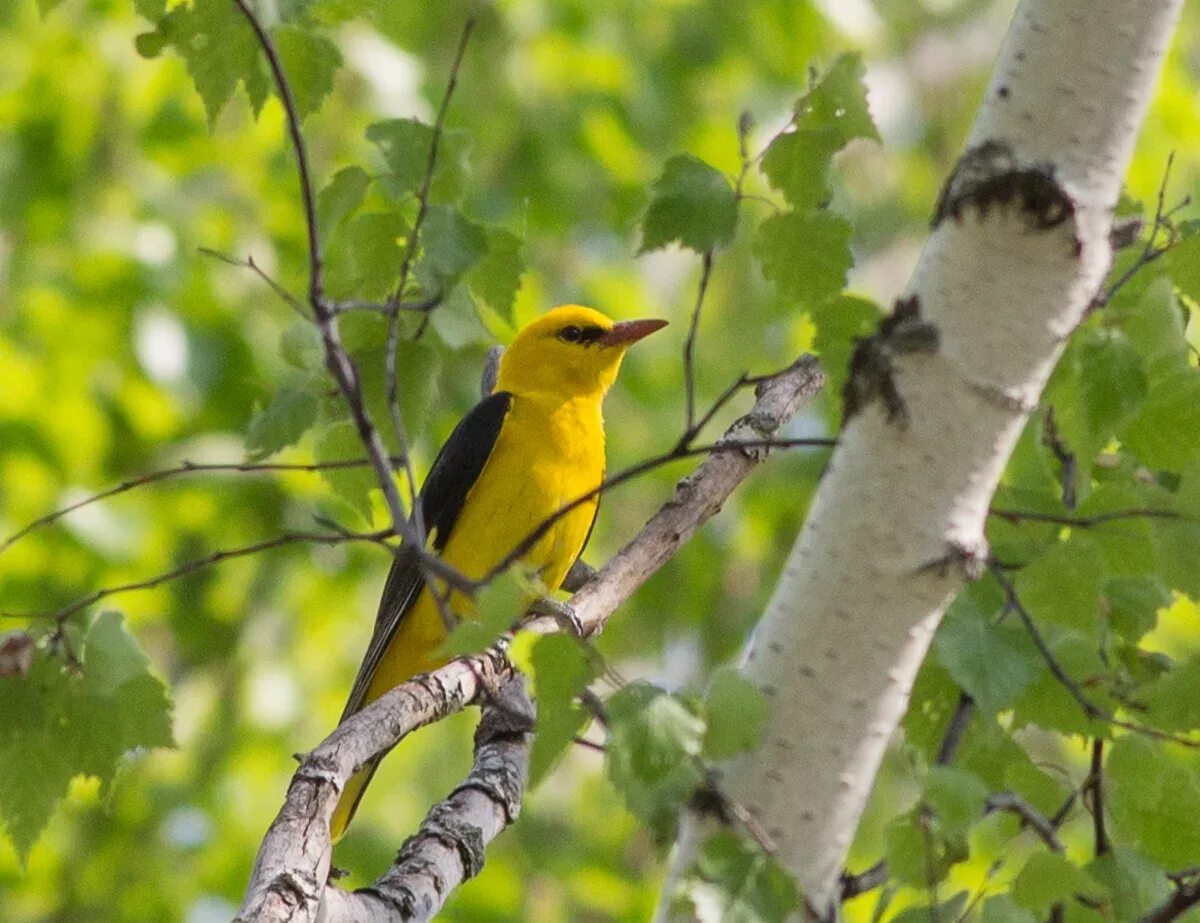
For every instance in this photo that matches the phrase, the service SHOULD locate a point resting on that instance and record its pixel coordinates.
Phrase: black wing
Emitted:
(452, 476)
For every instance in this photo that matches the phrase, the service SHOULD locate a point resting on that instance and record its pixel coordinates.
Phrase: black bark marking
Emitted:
(872, 364)
(989, 175)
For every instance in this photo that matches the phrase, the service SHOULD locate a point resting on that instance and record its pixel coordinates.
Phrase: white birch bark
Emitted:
(1018, 250)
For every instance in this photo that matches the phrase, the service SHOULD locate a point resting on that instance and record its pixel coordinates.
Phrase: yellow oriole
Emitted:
(520, 455)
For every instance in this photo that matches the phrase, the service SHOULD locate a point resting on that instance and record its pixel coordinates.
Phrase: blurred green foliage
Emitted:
(134, 134)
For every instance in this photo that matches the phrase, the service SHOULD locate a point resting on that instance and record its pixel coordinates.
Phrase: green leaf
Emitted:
(219, 48)
(150, 9)
(1112, 380)
(1135, 884)
(1154, 325)
(736, 883)
(364, 254)
(45, 7)
(1048, 703)
(1149, 794)
(404, 144)
(353, 485)
(310, 62)
(496, 278)
(1133, 604)
(562, 669)
(1049, 878)
(955, 796)
(1173, 699)
(653, 739)
(798, 163)
(991, 663)
(282, 422)
(807, 254)
(693, 204)
(302, 348)
(839, 101)
(1003, 909)
(336, 12)
(341, 198)
(828, 116)
(1128, 546)
(498, 607)
(735, 710)
(1063, 586)
(59, 724)
(946, 910)
(840, 323)
(452, 244)
(908, 852)
(1166, 432)
(1182, 264)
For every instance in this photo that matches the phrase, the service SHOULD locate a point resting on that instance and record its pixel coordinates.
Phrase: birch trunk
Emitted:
(1019, 248)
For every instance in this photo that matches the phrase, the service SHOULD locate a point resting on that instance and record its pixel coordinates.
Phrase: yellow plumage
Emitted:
(548, 451)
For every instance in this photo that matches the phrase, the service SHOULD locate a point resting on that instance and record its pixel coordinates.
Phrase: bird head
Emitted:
(571, 351)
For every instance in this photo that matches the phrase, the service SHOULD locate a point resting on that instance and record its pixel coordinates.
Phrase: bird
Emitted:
(530, 448)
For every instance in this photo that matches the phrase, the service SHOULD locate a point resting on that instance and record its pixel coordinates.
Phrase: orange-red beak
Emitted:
(630, 331)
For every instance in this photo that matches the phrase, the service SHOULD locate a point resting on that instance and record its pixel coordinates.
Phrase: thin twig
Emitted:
(706, 267)
(1084, 522)
(341, 366)
(248, 263)
(1095, 785)
(1151, 251)
(956, 730)
(1030, 817)
(216, 557)
(393, 333)
(168, 473)
(1090, 708)
(1184, 898)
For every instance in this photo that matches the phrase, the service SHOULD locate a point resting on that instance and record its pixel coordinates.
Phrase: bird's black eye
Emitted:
(571, 334)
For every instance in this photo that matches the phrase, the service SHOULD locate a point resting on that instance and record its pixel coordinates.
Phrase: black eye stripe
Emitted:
(575, 334)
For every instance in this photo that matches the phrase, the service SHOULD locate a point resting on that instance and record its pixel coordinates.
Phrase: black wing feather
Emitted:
(454, 473)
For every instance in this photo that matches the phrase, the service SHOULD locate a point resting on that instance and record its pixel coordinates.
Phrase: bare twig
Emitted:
(1083, 522)
(706, 267)
(190, 567)
(1152, 251)
(393, 333)
(956, 730)
(862, 882)
(1184, 898)
(1030, 817)
(341, 366)
(1090, 708)
(1095, 785)
(166, 474)
(248, 263)
(1066, 458)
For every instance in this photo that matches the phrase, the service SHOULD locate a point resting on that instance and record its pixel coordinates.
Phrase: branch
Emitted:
(1030, 817)
(216, 557)
(449, 846)
(1083, 522)
(294, 859)
(1095, 785)
(341, 366)
(1090, 708)
(167, 474)
(393, 333)
(1185, 897)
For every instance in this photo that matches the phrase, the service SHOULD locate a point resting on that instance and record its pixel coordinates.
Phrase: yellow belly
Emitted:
(546, 456)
